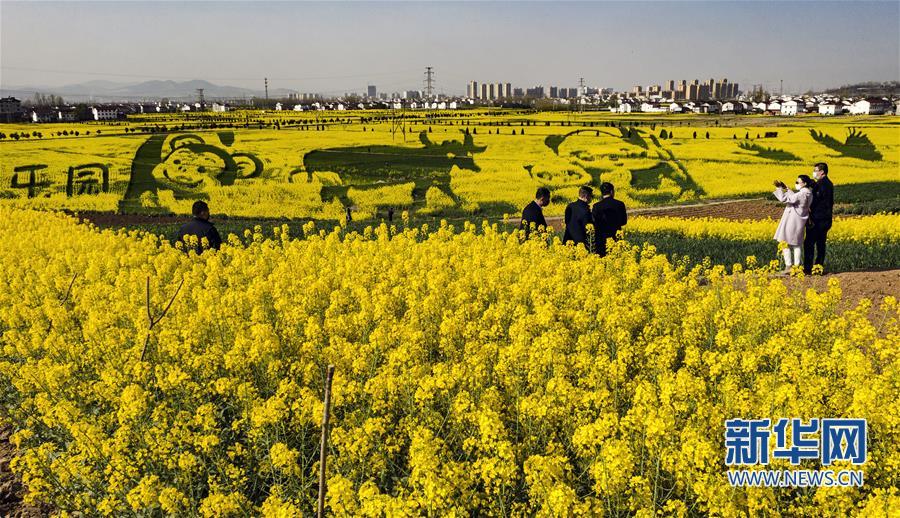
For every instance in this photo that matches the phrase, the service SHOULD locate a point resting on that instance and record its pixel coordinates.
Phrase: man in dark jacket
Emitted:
(200, 227)
(819, 221)
(578, 216)
(609, 217)
(533, 214)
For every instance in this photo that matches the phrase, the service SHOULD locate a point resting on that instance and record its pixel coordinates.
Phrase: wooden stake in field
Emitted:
(326, 412)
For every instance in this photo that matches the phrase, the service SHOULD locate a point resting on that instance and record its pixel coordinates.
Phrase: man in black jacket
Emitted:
(578, 216)
(609, 217)
(819, 221)
(534, 212)
(200, 227)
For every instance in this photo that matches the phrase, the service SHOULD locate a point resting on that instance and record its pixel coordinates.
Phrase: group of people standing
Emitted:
(607, 216)
(806, 219)
(803, 227)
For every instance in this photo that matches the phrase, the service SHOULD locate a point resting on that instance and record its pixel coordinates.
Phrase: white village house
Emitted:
(792, 107)
(43, 114)
(871, 106)
(831, 109)
(104, 113)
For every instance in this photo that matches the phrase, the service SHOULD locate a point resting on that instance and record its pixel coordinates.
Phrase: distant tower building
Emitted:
(492, 91)
(671, 86)
(476, 92)
(536, 92)
(554, 92)
(693, 92)
(372, 92)
(680, 90)
(704, 92)
(507, 90)
(637, 90)
(484, 92)
(471, 90)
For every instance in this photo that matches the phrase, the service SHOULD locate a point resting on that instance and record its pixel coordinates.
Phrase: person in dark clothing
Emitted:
(609, 217)
(534, 211)
(348, 216)
(820, 218)
(390, 214)
(200, 227)
(578, 217)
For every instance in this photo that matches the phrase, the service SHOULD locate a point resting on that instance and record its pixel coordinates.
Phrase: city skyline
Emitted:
(808, 46)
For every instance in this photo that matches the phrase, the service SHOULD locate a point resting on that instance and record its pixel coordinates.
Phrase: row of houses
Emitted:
(12, 110)
(72, 114)
(867, 106)
(788, 107)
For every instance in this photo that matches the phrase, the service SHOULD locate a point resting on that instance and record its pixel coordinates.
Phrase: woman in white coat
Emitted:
(793, 221)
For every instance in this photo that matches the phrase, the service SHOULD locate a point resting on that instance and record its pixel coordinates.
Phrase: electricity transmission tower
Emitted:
(429, 82)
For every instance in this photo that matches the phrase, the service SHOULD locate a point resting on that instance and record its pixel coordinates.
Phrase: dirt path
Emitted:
(755, 208)
(873, 285)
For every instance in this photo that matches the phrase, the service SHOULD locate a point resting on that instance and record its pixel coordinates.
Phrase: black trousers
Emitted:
(816, 234)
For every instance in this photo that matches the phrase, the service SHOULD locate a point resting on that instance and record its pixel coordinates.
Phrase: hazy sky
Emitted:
(336, 47)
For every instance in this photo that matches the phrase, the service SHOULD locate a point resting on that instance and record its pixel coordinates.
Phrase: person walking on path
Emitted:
(578, 217)
(533, 213)
(609, 216)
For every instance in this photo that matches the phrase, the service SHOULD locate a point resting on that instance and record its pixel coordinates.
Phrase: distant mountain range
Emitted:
(101, 90)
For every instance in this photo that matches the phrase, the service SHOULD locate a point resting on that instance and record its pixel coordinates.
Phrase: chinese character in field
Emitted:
(843, 439)
(747, 441)
(26, 177)
(802, 446)
(87, 179)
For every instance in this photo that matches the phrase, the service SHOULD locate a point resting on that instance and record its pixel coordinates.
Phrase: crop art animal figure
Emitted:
(428, 165)
(186, 164)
